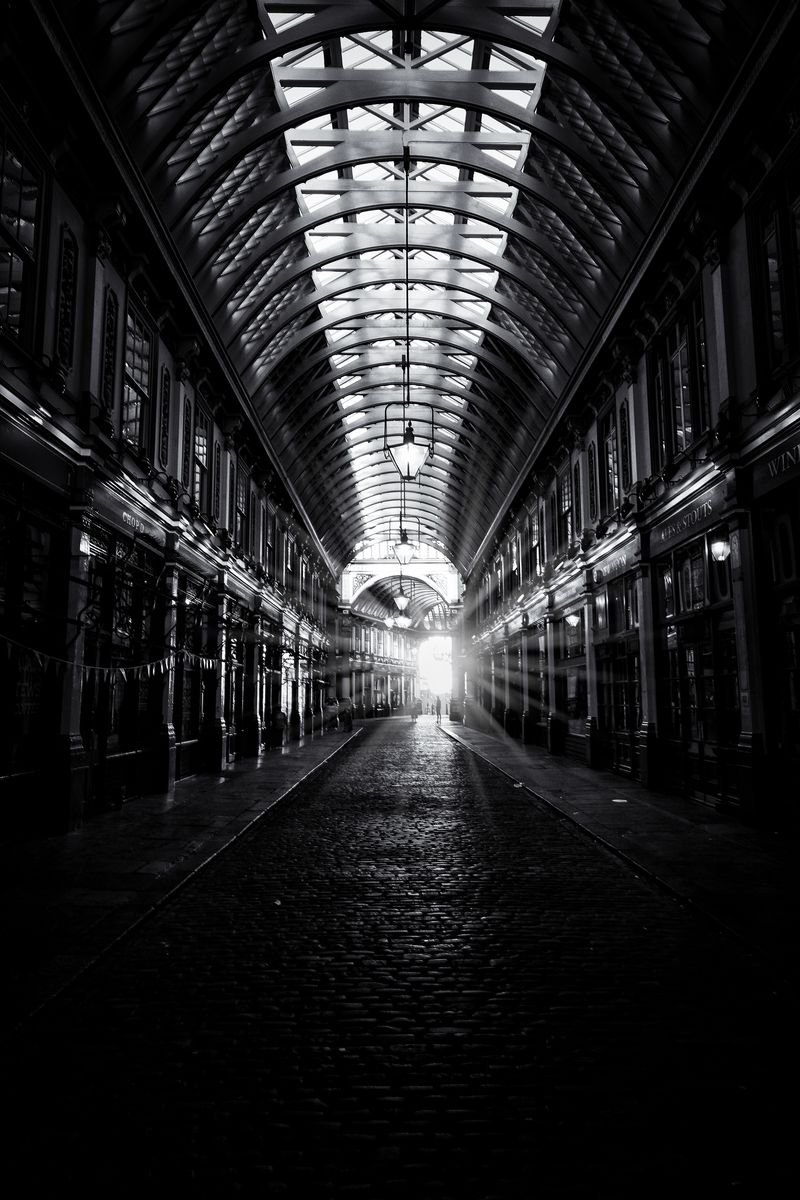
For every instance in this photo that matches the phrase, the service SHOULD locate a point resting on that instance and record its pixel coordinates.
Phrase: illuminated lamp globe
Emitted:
(404, 549)
(409, 455)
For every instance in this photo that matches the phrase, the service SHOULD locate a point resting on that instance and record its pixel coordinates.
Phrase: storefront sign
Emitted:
(126, 518)
(702, 512)
(779, 466)
(623, 560)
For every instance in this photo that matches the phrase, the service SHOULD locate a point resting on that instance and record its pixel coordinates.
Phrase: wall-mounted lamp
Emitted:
(573, 619)
(720, 549)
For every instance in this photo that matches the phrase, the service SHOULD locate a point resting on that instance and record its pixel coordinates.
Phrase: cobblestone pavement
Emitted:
(413, 978)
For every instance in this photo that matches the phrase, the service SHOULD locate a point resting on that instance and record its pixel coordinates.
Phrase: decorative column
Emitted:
(295, 720)
(646, 736)
(592, 700)
(213, 730)
(249, 739)
(555, 719)
(308, 699)
(457, 671)
(68, 764)
(528, 720)
(750, 745)
(512, 716)
(165, 752)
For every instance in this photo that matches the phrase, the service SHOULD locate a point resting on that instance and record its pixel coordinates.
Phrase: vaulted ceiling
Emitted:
(395, 211)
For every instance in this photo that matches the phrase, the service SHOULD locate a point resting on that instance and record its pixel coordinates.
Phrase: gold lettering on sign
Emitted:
(784, 462)
(672, 528)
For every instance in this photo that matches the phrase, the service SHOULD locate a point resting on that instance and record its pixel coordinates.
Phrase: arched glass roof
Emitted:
(441, 193)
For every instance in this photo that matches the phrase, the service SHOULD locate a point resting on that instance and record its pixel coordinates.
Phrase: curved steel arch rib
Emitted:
(540, 141)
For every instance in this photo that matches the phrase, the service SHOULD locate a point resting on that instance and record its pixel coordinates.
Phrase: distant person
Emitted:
(438, 710)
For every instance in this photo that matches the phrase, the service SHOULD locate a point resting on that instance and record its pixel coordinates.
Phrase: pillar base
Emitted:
(647, 746)
(164, 759)
(212, 739)
(512, 723)
(67, 772)
(249, 738)
(556, 729)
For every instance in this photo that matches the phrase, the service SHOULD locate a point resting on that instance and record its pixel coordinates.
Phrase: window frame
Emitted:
(142, 392)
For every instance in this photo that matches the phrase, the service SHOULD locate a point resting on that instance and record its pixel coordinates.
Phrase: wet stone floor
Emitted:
(410, 978)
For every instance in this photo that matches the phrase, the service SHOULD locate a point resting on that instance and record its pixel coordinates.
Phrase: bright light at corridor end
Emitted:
(434, 665)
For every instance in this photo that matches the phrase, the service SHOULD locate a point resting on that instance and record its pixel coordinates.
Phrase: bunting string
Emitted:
(144, 670)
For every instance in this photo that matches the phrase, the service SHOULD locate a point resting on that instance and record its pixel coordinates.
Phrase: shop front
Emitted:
(34, 652)
(569, 710)
(616, 623)
(776, 518)
(126, 660)
(698, 676)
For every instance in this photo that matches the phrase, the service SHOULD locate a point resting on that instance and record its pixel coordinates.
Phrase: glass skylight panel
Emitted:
(296, 94)
(479, 307)
(504, 58)
(281, 21)
(487, 245)
(534, 24)
(372, 171)
(494, 124)
(439, 172)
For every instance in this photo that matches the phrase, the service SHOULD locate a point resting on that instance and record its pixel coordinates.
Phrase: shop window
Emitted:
(617, 619)
(536, 553)
(514, 573)
(201, 458)
(164, 425)
(136, 410)
(690, 572)
(241, 529)
(783, 559)
(601, 611)
(552, 527)
(591, 483)
(666, 592)
(217, 479)
(719, 578)
(777, 230)
(577, 515)
(574, 641)
(609, 464)
(564, 519)
(624, 448)
(186, 457)
(679, 383)
(20, 191)
(631, 603)
(576, 696)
